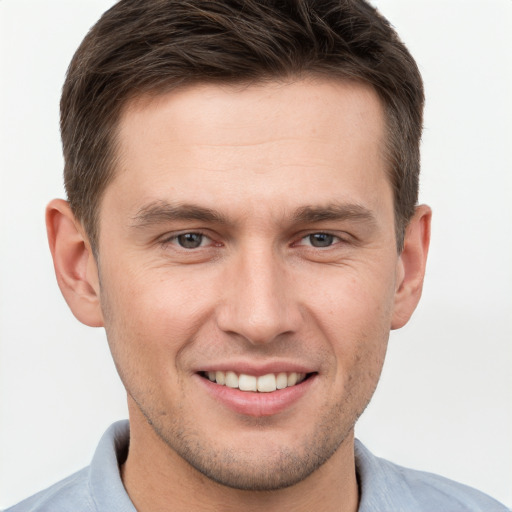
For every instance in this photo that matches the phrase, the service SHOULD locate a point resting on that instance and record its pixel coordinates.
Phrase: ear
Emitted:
(411, 266)
(74, 262)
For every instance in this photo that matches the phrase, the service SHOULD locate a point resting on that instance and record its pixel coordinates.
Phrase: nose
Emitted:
(258, 303)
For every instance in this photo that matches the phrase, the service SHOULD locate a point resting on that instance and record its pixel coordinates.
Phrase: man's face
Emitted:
(249, 232)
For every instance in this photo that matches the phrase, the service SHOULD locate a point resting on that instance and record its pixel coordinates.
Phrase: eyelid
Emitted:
(171, 238)
(338, 237)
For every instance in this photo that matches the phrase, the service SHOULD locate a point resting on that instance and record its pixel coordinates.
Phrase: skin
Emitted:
(256, 172)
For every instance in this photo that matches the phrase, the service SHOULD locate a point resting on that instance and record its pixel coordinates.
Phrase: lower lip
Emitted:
(254, 403)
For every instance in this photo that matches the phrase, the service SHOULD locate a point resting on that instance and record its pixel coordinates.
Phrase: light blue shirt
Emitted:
(384, 486)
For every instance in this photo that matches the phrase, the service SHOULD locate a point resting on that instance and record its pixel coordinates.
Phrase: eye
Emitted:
(320, 240)
(191, 240)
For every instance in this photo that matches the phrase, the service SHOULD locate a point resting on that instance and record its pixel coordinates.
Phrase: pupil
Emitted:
(190, 240)
(321, 240)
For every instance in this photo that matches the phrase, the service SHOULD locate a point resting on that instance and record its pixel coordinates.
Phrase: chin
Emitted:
(259, 460)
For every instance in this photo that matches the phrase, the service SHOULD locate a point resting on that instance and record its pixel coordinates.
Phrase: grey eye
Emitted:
(321, 239)
(190, 240)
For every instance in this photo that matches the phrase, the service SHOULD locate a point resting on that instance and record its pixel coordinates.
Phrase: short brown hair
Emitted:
(154, 46)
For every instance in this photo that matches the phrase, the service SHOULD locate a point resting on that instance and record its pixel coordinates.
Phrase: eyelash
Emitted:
(334, 239)
(174, 240)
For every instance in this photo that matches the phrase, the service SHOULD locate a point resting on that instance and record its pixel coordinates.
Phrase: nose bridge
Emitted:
(258, 305)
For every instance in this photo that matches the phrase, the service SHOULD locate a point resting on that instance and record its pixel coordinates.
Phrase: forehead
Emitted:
(212, 113)
(286, 143)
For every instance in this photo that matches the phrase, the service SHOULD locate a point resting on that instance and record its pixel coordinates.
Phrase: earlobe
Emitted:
(412, 263)
(75, 266)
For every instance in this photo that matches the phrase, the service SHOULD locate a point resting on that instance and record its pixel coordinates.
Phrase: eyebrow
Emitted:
(161, 212)
(335, 212)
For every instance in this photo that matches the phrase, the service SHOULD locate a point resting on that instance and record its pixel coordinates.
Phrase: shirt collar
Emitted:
(105, 482)
(380, 487)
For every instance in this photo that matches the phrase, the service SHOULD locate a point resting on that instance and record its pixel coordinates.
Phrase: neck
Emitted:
(159, 480)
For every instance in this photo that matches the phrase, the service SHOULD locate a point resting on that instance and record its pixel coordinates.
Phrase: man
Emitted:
(242, 181)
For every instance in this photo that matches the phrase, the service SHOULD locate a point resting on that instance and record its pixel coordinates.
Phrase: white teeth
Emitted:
(281, 380)
(267, 383)
(231, 380)
(247, 383)
(264, 384)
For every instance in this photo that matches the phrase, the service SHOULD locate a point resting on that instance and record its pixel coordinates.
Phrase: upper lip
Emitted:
(257, 370)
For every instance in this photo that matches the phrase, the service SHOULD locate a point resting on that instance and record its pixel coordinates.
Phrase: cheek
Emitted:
(354, 315)
(355, 302)
(148, 320)
(359, 337)
(158, 302)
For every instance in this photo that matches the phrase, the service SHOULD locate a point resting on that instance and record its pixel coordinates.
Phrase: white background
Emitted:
(445, 400)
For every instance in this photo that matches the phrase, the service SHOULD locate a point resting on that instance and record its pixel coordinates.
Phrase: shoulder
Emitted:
(387, 486)
(94, 488)
(72, 493)
(443, 494)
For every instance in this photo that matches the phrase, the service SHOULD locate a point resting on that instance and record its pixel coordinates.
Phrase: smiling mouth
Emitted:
(262, 384)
